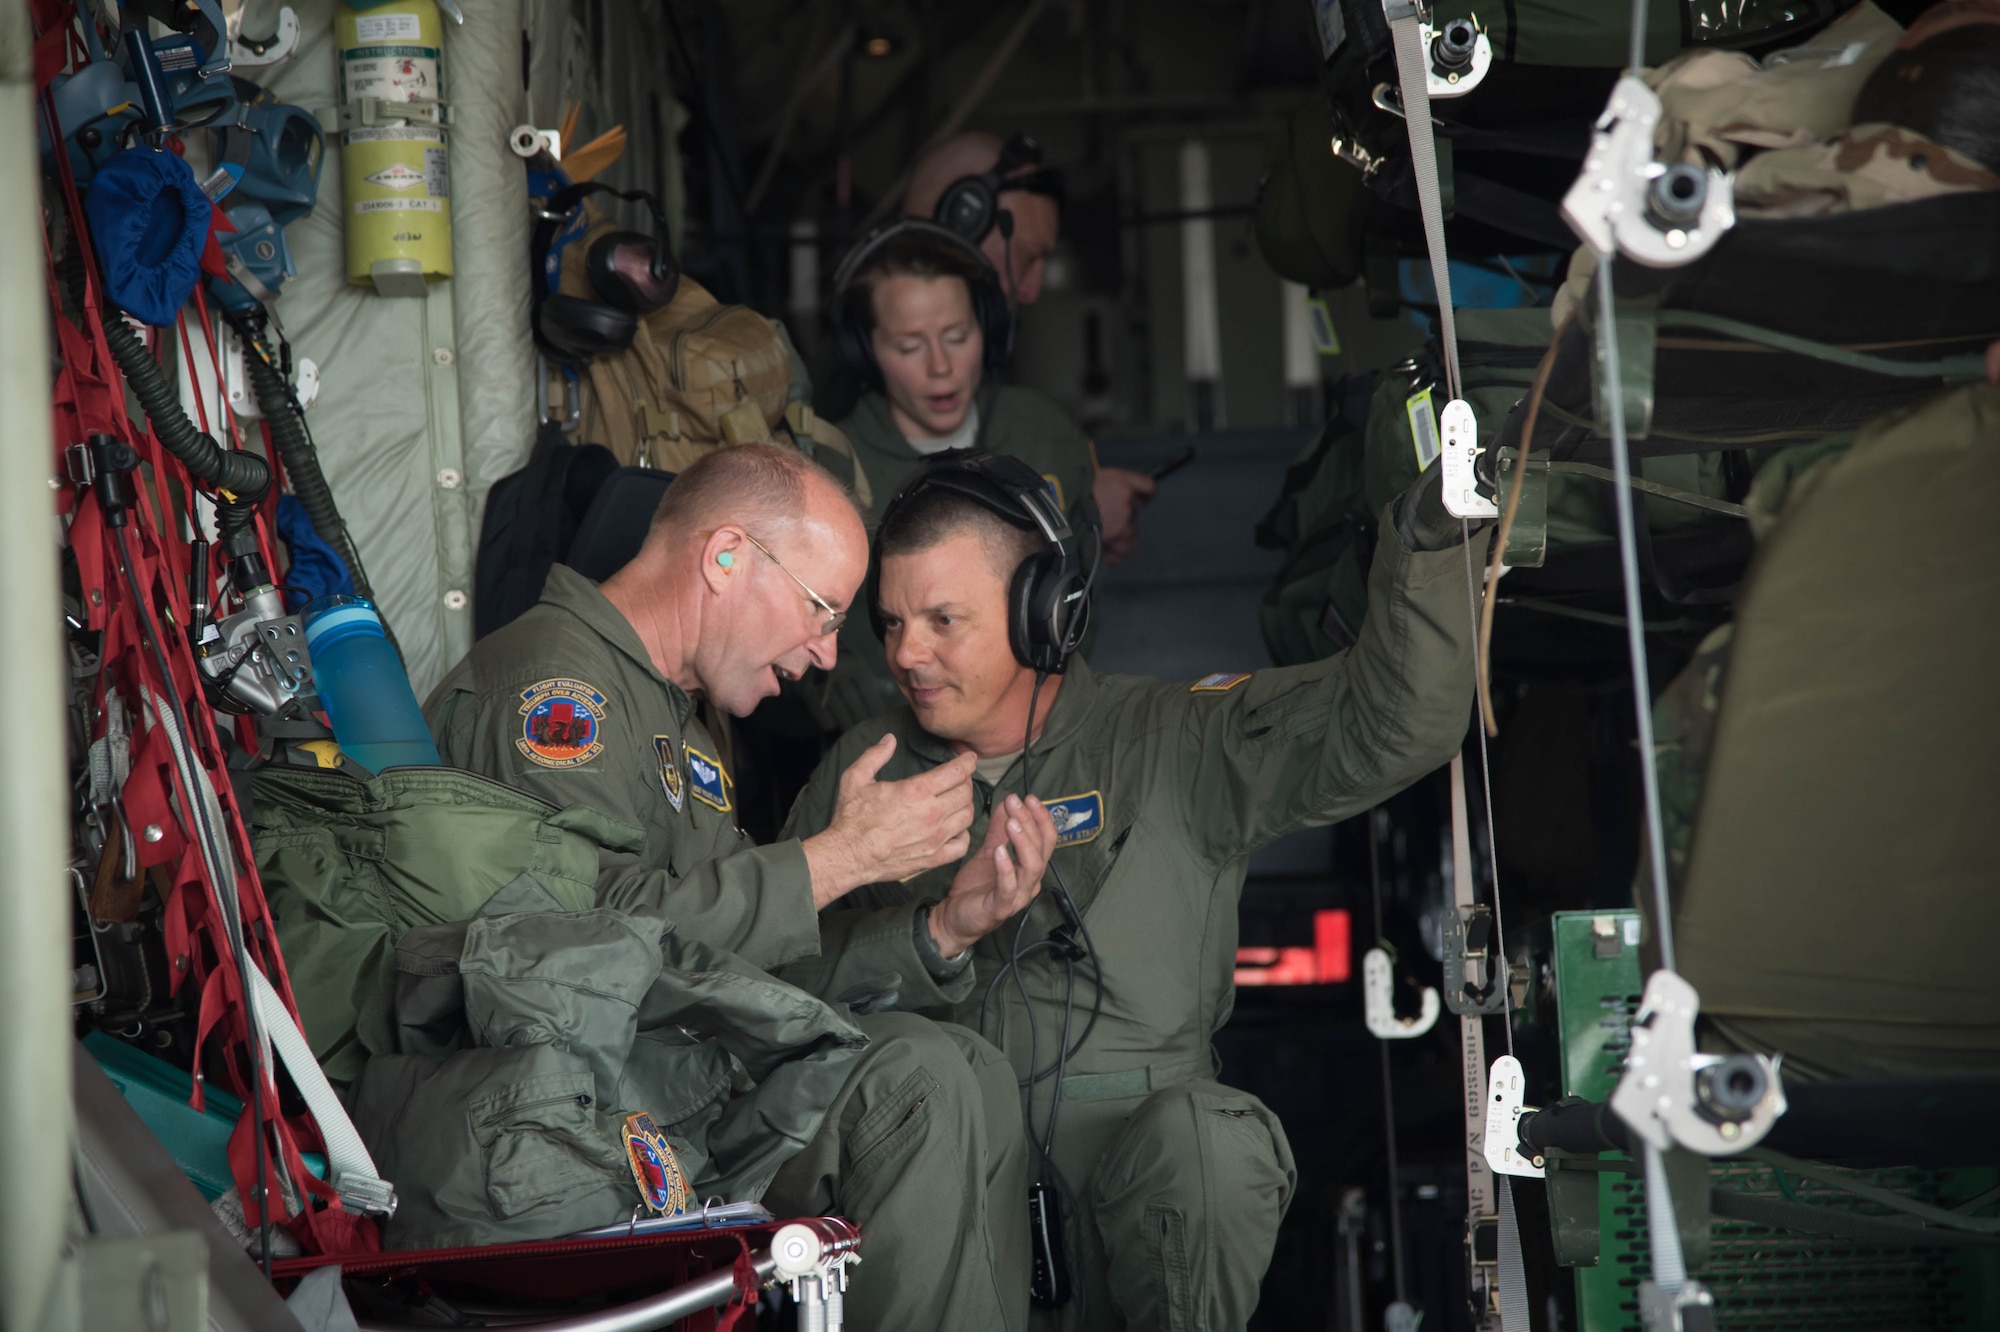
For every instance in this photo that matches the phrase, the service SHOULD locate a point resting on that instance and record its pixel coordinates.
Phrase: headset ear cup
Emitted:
(580, 330)
(996, 322)
(967, 207)
(852, 342)
(1036, 597)
(1021, 604)
(618, 288)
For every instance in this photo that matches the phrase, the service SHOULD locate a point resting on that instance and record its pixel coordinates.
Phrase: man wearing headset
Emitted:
(751, 563)
(1106, 990)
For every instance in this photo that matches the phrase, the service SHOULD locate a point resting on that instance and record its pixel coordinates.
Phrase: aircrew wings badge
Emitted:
(663, 1188)
(707, 782)
(561, 723)
(1219, 683)
(670, 772)
(1078, 818)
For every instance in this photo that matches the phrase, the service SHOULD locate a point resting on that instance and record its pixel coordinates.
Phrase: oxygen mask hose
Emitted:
(296, 449)
(241, 479)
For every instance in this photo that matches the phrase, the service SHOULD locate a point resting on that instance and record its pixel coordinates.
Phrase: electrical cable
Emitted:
(1628, 565)
(1377, 819)
(211, 851)
(292, 437)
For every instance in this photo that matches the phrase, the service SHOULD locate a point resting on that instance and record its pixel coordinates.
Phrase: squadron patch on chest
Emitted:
(561, 723)
(1078, 818)
(707, 782)
(670, 772)
(1219, 683)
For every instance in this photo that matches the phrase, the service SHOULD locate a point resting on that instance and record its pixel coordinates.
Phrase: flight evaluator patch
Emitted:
(1078, 818)
(561, 721)
(670, 771)
(1219, 683)
(707, 782)
(663, 1188)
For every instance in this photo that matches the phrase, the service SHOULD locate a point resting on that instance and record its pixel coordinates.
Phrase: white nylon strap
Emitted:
(1513, 1269)
(349, 1167)
(1404, 19)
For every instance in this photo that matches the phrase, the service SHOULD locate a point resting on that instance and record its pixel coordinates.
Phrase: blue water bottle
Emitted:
(363, 687)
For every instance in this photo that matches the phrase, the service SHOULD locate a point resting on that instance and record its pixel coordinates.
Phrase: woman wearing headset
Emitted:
(919, 315)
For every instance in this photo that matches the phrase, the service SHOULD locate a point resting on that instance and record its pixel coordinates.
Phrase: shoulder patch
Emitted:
(663, 1188)
(1219, 683)
(1055, 491)
(707, 782)
(1078, 818)
(561, 722)
(670, 772)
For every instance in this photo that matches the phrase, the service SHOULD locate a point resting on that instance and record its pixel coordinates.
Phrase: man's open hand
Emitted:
(1002, 879)
(883, 832)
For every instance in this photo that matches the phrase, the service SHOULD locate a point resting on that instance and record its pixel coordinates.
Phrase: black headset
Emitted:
(571, 328)
(1048, 599)
(970, 206)
(853, 325)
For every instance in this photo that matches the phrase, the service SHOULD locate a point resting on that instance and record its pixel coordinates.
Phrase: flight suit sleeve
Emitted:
(873, 932)
(754, 901)
(1308, 745)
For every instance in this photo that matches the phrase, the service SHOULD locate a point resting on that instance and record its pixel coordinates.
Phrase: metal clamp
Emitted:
(1505, 1087)
(380, 113)
(1472, 974)
(1378, 978)
(1457, 56)
(1659, 214)
(1689, 1309)
(525, 141)
(1714, 1105)
(1458, 455)
(281, 45)
(813, 1257)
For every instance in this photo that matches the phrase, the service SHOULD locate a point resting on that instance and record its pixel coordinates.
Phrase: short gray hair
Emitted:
(762, 484)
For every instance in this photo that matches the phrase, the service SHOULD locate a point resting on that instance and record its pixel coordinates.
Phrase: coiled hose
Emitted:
(241, 479)
(295, 449)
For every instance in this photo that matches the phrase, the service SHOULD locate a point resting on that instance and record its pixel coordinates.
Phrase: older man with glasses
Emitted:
(746, 575)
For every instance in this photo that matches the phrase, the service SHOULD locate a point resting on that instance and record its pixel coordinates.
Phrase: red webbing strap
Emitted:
(89, 398)
(747, 1288)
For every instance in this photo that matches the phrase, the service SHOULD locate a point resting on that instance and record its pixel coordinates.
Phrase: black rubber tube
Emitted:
(241, 479)
(301, 459)
(1579, 1126)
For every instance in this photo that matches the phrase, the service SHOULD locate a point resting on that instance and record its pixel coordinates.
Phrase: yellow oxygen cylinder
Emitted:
(395, 172)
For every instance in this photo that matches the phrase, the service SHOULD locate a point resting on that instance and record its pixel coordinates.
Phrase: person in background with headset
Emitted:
(1003, 199)
(1106, 990)
(752, 560)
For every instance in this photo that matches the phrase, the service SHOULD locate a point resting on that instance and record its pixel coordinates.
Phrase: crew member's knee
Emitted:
(1187, 1203)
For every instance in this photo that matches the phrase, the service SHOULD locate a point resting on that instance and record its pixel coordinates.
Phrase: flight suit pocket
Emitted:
(898, 1118)
(1167, 1256)
(541, 1142)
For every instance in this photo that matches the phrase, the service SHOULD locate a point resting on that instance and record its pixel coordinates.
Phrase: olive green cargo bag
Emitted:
(517, 1043)
(348, 866)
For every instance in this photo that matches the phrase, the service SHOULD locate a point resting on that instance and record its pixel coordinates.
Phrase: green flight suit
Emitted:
(1175, 1182)
(1018, 422)
(565, 703)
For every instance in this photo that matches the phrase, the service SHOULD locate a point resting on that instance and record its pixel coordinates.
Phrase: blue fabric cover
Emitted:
(149, 221)
(317, 569)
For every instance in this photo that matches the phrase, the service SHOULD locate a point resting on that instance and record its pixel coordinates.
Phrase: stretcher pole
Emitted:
(38, 1289)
